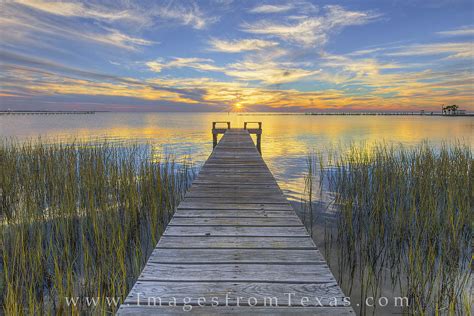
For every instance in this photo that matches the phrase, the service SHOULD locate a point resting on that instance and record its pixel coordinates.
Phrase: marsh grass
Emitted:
(80, 220)
(404, 217)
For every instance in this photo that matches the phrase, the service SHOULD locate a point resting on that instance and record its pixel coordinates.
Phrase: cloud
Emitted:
(35, 79)
(41, 23)
(363, 52)
(38, 65)
(395, 85)
(312, 30)
(406, 93)
(29, 76)
(271, 8)
(77, 9)
(202, 64)
(144, 13)
(243, 45)
(116, 38)
(154, 65)
(366, 72)
(185, 15)
(464, 31)
(231, 93)
(269, 72)
(301, 7)
(460, 50)
(39, 30)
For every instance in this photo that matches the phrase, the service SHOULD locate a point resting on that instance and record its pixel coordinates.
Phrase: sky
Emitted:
(224, 55)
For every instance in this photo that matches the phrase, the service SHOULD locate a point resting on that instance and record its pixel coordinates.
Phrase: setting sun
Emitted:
(299, 57)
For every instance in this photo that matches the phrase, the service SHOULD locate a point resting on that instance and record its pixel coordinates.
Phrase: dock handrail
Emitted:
(259, 124)
(257, 132)
(217, 131)
(220, 122)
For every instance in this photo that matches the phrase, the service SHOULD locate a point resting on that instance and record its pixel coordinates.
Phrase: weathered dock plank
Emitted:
(230, 291)
(223, 231)
(236, 222)
(243, 242)
(234, 213)
(235, 240)
(277, 273)
(231, 311)
(218, 256)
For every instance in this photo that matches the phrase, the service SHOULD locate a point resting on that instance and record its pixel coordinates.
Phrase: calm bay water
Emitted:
(285, 142)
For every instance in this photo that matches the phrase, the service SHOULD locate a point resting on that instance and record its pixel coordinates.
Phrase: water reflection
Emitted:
(285, 142)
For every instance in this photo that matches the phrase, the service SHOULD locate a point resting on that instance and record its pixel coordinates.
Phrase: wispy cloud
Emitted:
(463, 31)
(190, 15)
(361, 67)
(272, 8)
(77, 9)
(363, 52)
(116, 38)
(38, 29)
(44, 77)
(203, 64)
(33, 21)
(242, 45)
(33, 78)
(461, 50)
(267, 72)
(312, 30)
(20, 60)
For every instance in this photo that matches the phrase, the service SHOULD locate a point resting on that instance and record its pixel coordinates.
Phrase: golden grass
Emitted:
(406, 215)
(80, 220)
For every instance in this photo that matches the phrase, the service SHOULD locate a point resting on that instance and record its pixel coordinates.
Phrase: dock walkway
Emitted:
(235, 246)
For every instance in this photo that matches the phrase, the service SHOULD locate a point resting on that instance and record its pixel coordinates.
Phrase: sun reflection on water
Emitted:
(286, 139)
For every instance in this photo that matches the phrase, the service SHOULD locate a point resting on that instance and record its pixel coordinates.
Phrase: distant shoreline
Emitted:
(405, 113)
(365, 113)
(46, 112)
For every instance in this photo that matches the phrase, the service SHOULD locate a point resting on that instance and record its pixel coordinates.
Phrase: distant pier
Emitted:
(44, 112)
(460, 114)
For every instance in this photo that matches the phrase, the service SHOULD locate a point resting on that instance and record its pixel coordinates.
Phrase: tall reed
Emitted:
(406, 215)
(80, 220)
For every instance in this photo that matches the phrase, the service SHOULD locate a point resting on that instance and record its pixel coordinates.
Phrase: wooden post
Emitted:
(257, 132)
(259, 145)
(217, 131)
(214, 140)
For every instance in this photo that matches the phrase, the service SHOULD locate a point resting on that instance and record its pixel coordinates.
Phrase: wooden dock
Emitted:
(235, 246)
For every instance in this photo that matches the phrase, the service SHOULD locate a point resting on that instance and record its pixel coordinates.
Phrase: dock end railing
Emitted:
(216, 131)
(257, 132)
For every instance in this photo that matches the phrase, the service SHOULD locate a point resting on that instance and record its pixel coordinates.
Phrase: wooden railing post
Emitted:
(214, 140)
(216, 131)
(257, 132)
(259, 143)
